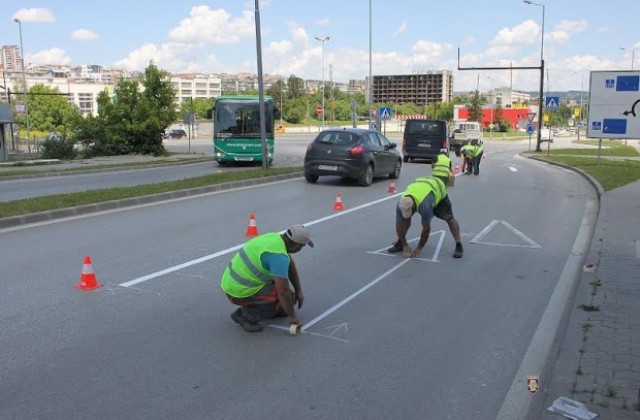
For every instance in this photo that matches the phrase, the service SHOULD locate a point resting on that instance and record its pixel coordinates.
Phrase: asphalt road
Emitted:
(290, 152)
(385, 337)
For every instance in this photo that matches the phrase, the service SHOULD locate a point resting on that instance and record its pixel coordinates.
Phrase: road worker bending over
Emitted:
(427, 196)
(258, 276)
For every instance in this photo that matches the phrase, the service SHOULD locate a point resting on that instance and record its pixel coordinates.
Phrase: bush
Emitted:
(57, 147)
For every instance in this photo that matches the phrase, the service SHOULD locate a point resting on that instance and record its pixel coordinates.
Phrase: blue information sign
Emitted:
(530, 129)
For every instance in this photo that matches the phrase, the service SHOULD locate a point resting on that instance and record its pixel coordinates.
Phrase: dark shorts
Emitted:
(443, 210)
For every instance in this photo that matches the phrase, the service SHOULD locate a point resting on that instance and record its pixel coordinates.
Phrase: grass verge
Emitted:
(53, 202)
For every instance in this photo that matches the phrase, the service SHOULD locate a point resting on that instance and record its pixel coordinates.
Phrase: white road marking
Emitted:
(436, 252)
(237, 247)
(513, 169)
(637, 248)
(480, 236)
(353, 295)
(286, 328)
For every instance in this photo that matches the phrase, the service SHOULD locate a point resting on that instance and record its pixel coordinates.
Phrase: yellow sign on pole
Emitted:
(546, 118)
(576, 112)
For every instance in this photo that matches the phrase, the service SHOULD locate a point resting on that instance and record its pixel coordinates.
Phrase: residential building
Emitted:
(507, 98)
(11, 58)
(195, 86)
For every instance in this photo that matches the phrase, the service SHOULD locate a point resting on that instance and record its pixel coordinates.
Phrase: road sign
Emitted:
(552, 103)
(531, 116)
(530, 129)
(384, 113)
(614, 105)
(318, 110)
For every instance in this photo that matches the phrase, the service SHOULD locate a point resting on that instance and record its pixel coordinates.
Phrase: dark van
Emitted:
(423, 139)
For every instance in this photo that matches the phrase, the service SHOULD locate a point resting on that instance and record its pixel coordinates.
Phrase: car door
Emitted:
(377, 151)
(390, 154)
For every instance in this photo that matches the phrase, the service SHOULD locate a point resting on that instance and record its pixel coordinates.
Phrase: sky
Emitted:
(405, 36)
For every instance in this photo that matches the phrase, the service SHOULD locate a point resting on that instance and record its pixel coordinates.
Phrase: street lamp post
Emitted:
(24, 81)
(540, 96)
(633, 54)
(322, 39)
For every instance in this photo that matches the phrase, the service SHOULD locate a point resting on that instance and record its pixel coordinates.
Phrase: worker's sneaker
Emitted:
(458, 252)
(396, 247)
(244, 322)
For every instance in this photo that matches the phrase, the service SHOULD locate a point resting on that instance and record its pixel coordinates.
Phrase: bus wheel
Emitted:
(311, 177)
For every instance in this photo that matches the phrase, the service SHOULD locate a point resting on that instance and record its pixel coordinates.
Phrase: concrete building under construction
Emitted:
(420, 87)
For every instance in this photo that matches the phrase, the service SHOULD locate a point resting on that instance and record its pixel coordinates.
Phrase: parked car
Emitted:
(423, 139)
(352, 153)
(176, 134)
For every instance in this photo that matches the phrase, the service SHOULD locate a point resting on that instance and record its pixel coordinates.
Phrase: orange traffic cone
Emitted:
(338, 204)
(392, 187)
(88, 279)
(252, 229)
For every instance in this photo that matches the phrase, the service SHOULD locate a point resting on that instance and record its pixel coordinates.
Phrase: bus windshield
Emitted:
(241, 118)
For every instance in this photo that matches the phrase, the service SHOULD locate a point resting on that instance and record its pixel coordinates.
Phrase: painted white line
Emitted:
(513, 169)
(436, 252)
(637, 248)
(353, 295)
(237, 247)
(286, 328)
(478, 239)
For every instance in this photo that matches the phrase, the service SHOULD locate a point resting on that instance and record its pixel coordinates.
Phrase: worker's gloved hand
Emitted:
(299, 299)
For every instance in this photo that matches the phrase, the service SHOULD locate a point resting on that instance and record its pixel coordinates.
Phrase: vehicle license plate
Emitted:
(424, 145)
(244, 159)
(328, 167)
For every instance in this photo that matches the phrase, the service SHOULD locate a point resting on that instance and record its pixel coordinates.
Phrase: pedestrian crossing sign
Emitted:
(552, 103)
(384, 113)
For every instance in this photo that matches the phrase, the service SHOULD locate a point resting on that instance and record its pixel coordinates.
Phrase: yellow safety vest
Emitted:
(421, 187)
(245, 276)
(442, 166)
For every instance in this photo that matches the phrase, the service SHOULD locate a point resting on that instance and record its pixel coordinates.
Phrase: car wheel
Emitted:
(311, 177)
(367, 176)
(396, 171)
(405, 159)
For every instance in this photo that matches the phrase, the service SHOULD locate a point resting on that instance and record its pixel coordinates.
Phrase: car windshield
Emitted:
(425, 127)
(336, 138)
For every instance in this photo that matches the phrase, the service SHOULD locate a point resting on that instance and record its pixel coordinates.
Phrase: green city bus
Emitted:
(236, 129)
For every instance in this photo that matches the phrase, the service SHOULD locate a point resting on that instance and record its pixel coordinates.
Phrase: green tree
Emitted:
(49, 111)
(295, 87)
(475, 106)
(133, 121)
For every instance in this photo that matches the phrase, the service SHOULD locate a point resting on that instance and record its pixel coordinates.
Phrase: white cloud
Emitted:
(53, 55)
(35, 14)
(170, 56)
(213, 26)
(528, 32)
(401, 29)
(563, 31)
(84, 35)
(321, 22)
(469, 40)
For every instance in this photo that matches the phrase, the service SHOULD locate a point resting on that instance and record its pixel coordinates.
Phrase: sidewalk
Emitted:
(599, 357)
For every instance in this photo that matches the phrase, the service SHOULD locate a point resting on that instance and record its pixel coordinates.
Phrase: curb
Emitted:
(545, 345)
(97, 169)
(49, 215)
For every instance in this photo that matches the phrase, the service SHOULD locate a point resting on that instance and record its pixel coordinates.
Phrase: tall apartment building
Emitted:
(11, 58)
(420, 87)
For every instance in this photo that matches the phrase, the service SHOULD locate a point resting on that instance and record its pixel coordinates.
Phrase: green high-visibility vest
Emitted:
(245, 276)
(421, 187)
(477, 150)
(442, 166)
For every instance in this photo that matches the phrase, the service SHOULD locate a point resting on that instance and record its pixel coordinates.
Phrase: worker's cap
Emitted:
(406, 206)
(443, 150)
(300, 235)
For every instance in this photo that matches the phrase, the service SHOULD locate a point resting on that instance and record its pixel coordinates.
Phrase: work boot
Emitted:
(247, 325)
(396, 247)
(458, 252)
